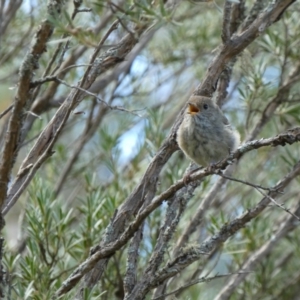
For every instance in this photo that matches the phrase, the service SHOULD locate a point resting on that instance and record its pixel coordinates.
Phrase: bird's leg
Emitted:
(212, 167)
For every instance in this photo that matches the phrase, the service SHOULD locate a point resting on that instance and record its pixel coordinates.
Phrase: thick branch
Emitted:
(226, 34)
(23, 97)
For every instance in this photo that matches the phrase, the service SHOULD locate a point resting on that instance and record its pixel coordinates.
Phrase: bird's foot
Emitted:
(212, 168)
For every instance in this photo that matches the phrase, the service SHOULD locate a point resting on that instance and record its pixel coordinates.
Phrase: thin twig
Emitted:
(112, 107)
(83, 10)
(200, 280)
(259, 188)
(6, 111)
(245, 182)
(113, 27)
(278, 205)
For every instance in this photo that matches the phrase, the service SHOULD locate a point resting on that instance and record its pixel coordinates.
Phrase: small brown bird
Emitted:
(205, 135)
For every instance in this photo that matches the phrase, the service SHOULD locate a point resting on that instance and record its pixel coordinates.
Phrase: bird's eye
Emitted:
(205, 106)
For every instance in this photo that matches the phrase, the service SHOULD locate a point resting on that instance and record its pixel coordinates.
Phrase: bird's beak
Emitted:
(193, 109)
